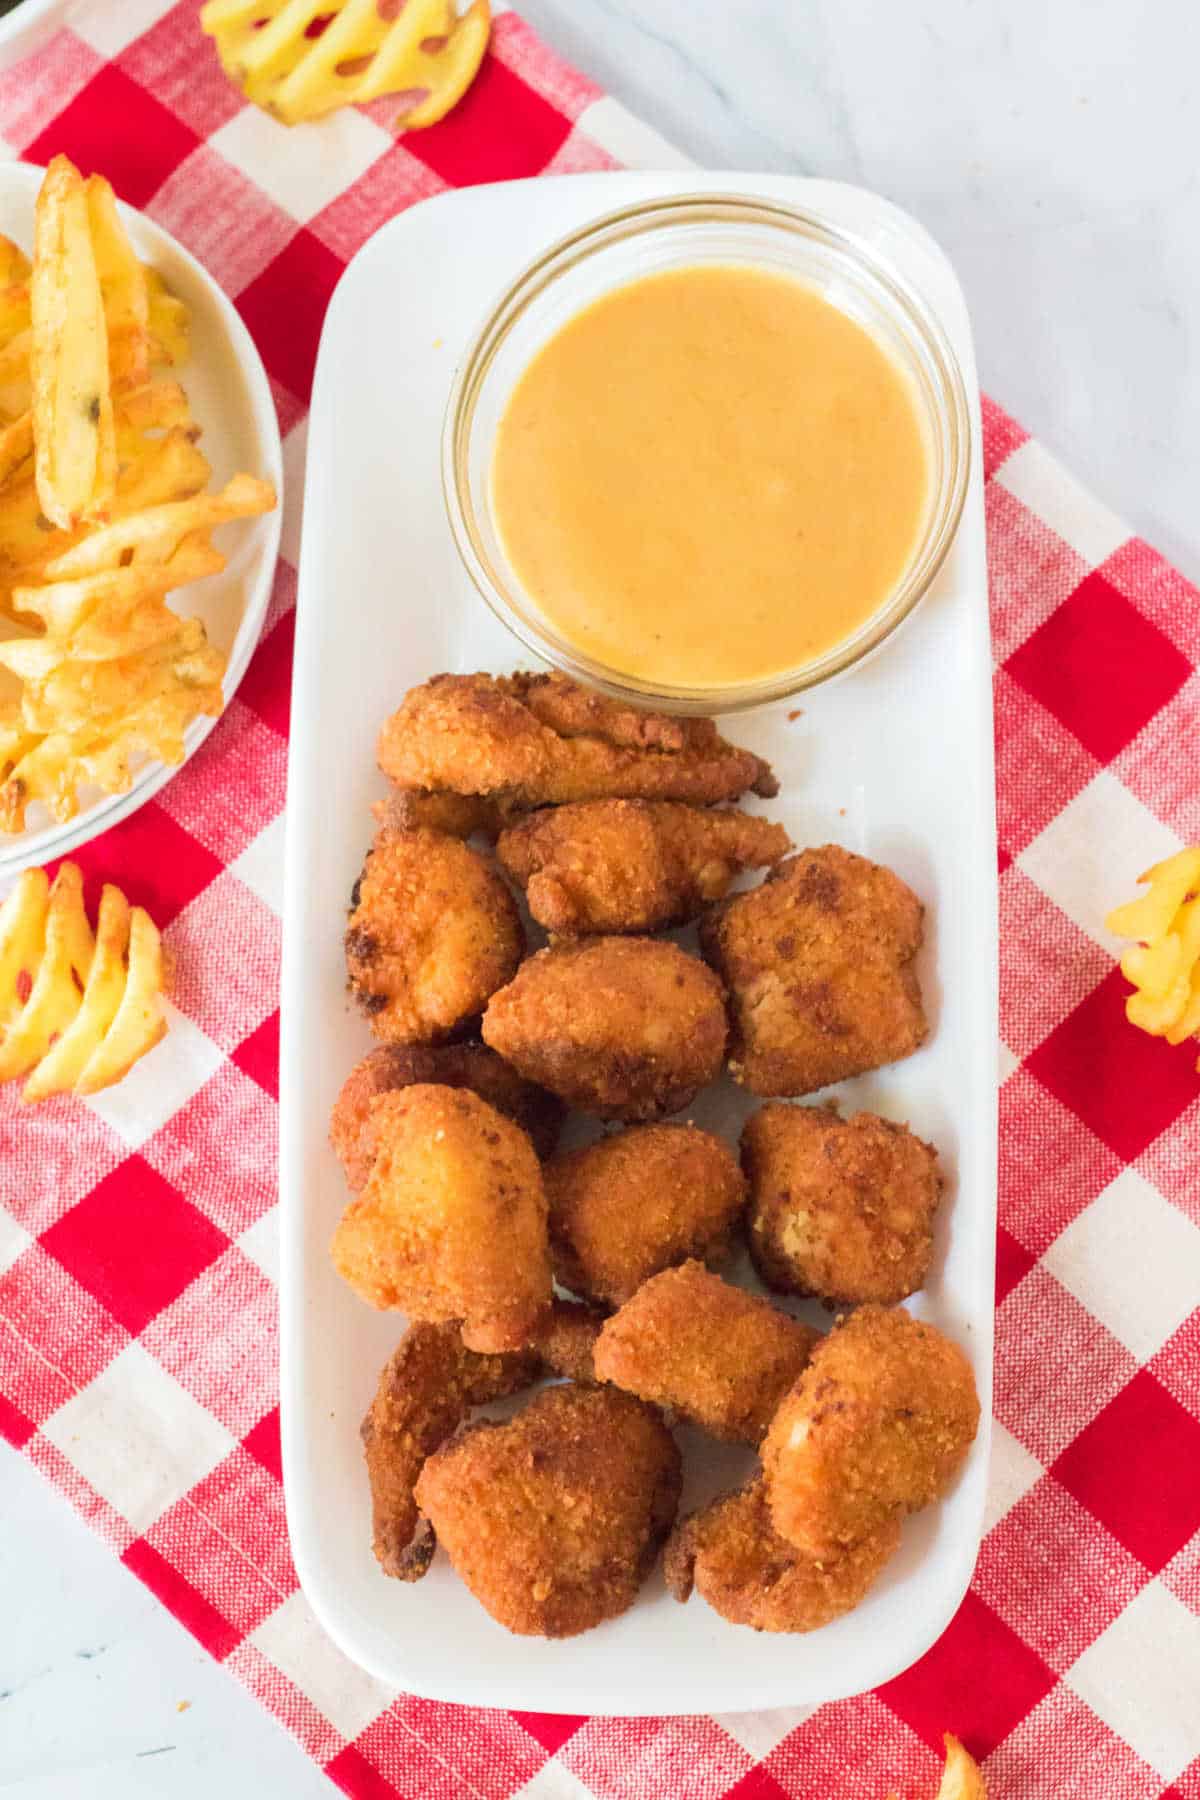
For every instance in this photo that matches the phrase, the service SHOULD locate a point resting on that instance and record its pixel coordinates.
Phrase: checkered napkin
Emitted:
(137, 1236)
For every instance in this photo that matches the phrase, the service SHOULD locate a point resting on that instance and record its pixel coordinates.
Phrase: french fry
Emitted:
(139, 1022)
(14, 264)
(16, 445)
(64, 606)
(1163, 967)
(122, 288)
(100, 522)
(61, 974)
(154, 533)
(1149, 916)
(75, 1012)
(962, 1778)
(72, 400)
(22, 938)
(170, 326)
(63, 1064)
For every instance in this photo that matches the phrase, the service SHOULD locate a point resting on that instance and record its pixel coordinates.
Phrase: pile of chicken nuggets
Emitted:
(612, 824)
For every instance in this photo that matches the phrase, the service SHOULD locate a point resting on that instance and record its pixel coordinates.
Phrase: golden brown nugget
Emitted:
(841, 1208)
(819, 963)
(474, 1066)
(719, 1357)
(565, 1339)
(452, 1221)
(536, 740)
(554, 1518)
(426, 1388)
(622, 1028)
(457, 815)
(637, 1202)
(632, 865)
(732, 1554)
(877, 1426)
(433, 932)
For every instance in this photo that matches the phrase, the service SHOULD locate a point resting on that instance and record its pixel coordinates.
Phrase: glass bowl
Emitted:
(675, 233)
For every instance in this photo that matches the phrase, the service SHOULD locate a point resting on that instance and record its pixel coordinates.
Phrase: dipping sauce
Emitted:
(710, 476)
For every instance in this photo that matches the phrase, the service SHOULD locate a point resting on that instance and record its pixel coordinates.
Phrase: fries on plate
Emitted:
(103, 511)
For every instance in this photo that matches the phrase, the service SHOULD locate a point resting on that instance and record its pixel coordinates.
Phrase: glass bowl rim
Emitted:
(648, 216)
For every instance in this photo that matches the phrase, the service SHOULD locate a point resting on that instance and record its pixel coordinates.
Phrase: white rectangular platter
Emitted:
(894, 761)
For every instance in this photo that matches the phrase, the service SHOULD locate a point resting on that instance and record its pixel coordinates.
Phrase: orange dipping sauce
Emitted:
(710, 476)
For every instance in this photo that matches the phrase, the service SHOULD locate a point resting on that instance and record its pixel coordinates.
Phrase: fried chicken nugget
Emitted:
(456, 815)
(542, 739)
(554, 1518)
(433, 932)
(632, 1204)
(714, 1354)
(622, 1028)
(841, 1208)
(474, 1066)
(426, 1389)
(452, 1221)
(877, 1426)
(632, 865)
(732, 1554)
(819, 966)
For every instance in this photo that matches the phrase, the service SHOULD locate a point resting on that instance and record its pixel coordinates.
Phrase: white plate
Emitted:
(231, 401)
(895, 760)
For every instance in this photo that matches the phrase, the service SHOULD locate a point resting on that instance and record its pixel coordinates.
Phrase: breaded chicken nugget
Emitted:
(474, 1066)
(629, 1205)
(819, 966)
(632, 865)
(542, 739)
(622, 1028)
(426, 1389)
(714, 1354)
(452, 1221)
(553, 1519)
(877, 1426)
(565, 1339)
(732, 1554)
(841, 1208)
(457, 815)
(433, 932)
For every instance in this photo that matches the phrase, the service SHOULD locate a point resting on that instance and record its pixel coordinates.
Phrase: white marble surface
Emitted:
(1053, 152)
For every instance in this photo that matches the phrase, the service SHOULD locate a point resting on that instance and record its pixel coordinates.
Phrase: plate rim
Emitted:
(22, 850)
(412, 1679)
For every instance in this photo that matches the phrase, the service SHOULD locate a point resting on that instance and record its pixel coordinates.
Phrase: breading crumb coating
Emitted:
(452, 1221)
(877, 1426)
(621, 1028)
(819, 964)
(432, 933)
(840, 1208)
(735, 1559)
(553, 1519)
(719, 1357)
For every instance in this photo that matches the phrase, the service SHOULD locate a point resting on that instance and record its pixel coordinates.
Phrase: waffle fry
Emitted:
(105, 671)
(365, 49)
(1164, 965)
(76, 1010)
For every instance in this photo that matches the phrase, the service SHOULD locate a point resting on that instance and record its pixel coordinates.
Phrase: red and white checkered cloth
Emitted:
(137, 1236)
